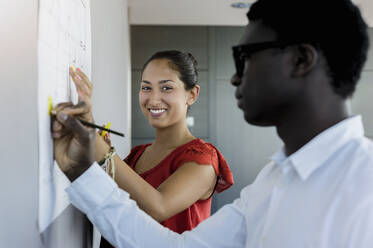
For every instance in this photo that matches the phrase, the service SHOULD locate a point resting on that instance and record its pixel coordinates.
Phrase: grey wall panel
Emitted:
(140, 126)
(369, 63)
(226, 37)
(200, 109)
(246, 148)
(146, 40)
(362, 101)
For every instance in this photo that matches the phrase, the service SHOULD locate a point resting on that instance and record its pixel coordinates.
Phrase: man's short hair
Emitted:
(335, 27)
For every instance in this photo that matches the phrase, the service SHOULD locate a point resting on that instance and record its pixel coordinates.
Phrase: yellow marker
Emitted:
(50, 105)
(73, 67)
(106, 126)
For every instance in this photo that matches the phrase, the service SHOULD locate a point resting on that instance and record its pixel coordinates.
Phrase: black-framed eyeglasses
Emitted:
(243, 52)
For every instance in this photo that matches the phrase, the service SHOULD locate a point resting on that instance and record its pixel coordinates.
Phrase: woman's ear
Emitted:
(193, 95)
(305, 58)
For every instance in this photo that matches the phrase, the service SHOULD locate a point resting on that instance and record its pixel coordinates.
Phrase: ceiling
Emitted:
(186, 12)
(203, 12)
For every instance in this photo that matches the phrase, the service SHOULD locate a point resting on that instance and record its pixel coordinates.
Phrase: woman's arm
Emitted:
(188, 184)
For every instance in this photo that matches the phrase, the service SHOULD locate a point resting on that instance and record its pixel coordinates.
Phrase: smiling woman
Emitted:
(173, 178)
(164, 97)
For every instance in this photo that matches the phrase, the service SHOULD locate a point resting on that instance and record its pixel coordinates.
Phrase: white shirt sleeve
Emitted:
(359, 225)
(123, 224)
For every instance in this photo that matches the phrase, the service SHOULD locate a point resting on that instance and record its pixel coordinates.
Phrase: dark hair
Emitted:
(184, 63)
(335, 27)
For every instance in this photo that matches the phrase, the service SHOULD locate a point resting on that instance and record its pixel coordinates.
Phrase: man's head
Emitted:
(317, 48)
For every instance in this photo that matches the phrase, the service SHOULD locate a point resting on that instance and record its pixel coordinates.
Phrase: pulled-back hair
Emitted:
(335, 27)
(184, 63)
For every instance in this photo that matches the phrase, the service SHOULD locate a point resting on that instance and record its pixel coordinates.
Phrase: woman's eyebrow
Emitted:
(160, 82)
(165, 81)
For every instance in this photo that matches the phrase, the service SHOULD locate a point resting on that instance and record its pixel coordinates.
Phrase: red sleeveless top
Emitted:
(194, 151)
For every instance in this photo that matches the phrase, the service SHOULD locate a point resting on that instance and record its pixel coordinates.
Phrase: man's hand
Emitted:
(74, 145)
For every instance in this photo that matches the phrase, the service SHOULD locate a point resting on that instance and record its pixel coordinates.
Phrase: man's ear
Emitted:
(193, 95)
(304, 59)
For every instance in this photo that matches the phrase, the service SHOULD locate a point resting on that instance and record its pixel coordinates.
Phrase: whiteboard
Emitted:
(64, 40)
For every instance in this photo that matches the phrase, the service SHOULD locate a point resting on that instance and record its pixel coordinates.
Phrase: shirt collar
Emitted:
(314, 154)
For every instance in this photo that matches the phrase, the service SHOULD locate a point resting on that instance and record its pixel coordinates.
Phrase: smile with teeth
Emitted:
(157, 112)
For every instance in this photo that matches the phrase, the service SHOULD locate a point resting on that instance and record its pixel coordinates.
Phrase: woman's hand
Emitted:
(106, 137)
(84, 109)
(84, 88)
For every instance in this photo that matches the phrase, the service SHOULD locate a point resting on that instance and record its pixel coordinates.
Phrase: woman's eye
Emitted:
(145, 88)
(166, 88)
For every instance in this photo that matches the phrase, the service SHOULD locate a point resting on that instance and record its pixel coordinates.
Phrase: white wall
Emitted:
(18, 123)
(18, 109)
(111, 69)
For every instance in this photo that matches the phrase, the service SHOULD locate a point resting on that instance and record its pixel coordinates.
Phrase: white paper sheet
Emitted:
(64, 40)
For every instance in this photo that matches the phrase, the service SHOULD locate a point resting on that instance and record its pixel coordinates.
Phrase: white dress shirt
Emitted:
(320, 196)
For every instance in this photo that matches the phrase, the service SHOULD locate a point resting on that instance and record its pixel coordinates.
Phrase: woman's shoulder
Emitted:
(197, 151)
(204, 153)
(199, 147)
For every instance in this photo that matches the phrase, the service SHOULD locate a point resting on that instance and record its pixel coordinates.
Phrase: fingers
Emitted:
(85, 78)
(106, 136)
(107, 139)
(82, 83)
(81, 110)
(58, 130)
(81, 133)
(61, 106)
(71, 109)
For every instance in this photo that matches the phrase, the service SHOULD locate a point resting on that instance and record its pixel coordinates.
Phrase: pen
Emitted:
(86, 123)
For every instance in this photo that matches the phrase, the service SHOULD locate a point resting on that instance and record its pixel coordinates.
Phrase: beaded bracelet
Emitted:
(107, 163)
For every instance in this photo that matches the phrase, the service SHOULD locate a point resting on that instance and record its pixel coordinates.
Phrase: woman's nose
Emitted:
(155, 96)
